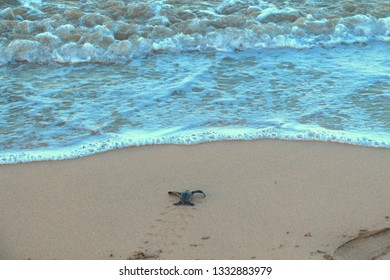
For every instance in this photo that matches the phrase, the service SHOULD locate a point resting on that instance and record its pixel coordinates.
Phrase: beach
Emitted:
(265, 199)
(276, 110)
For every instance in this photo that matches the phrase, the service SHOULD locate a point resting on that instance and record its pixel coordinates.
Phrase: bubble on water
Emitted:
(158, 27)
(75, 53)
(23, 50)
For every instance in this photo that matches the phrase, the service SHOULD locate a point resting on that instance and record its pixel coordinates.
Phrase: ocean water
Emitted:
(82, 77)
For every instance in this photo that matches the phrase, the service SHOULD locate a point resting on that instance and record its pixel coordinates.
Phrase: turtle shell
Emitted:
(185, 196)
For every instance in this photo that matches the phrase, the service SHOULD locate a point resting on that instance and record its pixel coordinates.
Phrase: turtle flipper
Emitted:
(174, 193)
(178, 203)
(199, 191)
(188, 203)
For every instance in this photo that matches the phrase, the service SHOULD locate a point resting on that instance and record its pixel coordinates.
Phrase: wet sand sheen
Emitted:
(266, 199)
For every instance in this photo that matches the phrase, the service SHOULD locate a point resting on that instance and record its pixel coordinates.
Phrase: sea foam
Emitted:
(157, 27)
(84, 77)
(113, 142)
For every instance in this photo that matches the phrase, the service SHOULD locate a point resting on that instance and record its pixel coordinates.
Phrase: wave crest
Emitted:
(42, 31)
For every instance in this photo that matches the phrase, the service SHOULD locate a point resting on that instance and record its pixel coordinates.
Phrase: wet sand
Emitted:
(266, 199)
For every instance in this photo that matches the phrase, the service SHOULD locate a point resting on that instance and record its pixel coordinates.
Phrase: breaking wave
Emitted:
(69, 32)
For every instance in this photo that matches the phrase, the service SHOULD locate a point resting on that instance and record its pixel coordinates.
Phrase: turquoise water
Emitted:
(317, 77)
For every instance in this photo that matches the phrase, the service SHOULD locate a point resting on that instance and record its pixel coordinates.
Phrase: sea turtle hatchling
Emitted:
(185, 196)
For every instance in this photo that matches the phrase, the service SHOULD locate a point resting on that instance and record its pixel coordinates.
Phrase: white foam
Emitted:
(30, 2)
(75, 53)
(100, 45)
(48, 39)
(3, 58)
(23, 50)
(80, 110)
(236, 5)
(119, 51)
(98, 39)
(196, 136)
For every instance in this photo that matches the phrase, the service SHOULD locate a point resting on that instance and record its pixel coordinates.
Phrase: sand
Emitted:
(266, 199)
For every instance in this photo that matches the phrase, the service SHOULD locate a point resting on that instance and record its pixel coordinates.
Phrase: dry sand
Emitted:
(266, 199)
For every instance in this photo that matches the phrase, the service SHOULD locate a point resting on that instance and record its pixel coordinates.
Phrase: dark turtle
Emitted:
(185, 196)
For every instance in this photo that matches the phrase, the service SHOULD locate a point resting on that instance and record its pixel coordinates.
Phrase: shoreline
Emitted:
(266, 199)
(75, 152)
